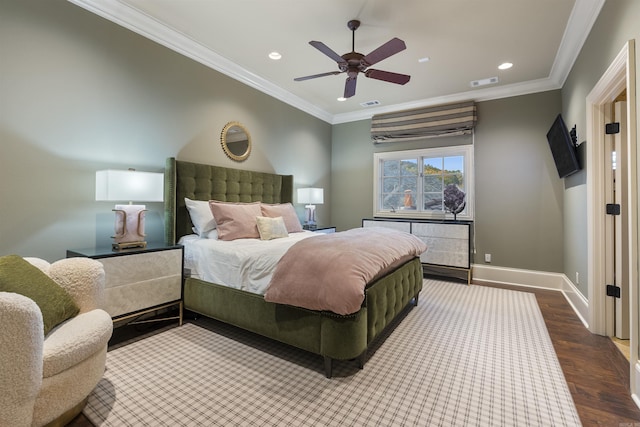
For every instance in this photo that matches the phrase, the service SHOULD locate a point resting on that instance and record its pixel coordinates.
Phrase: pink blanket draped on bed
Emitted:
(330, 271)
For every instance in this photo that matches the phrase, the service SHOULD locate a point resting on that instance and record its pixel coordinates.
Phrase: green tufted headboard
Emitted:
(205, 182)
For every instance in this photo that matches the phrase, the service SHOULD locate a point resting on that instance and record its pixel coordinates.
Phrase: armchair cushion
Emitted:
(75, 340)
(19, 276)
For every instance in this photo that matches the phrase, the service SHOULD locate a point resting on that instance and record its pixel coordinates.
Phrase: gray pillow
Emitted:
(18, 276)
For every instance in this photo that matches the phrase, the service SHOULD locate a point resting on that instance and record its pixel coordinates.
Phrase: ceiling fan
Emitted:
(353, 62)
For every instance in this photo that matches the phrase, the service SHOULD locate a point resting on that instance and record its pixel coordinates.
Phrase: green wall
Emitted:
(533, 220)
(79, 94)
(615, 26)
(519, 196)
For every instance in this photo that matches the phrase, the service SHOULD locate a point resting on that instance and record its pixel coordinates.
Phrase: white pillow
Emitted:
(211, 234)
(201, 216)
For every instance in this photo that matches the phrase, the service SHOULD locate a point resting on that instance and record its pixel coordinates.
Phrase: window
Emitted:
(412, 183)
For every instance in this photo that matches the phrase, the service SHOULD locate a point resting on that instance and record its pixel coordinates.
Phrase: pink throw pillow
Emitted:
(236, 220)
(287, 212)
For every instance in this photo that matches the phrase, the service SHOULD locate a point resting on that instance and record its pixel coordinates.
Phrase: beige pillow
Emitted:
(287, 212)
(236, 220)
(271, 228)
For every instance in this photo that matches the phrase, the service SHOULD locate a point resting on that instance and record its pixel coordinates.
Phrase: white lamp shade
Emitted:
(312, 196)
(129, 185)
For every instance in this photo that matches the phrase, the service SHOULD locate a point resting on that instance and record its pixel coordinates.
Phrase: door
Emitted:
(617, 224)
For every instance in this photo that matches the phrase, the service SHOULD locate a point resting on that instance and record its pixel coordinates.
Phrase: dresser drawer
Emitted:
(138, 281)
(139, 278)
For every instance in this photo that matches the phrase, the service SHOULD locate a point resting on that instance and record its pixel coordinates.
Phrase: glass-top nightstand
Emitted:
(139, 280)
(320, 229)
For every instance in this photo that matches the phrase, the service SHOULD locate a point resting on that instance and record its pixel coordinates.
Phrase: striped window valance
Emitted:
(428, 122)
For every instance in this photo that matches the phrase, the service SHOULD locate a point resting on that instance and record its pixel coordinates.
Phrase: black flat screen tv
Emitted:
(563, 148)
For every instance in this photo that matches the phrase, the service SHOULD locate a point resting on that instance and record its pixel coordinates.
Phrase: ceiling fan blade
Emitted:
(350, 87)
(327, 51)
(387, 76)
(330, 73)
(391, 47)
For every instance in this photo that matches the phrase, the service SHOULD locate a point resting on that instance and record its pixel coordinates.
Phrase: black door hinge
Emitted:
(613, 291)
(612, 128)
(613, 209)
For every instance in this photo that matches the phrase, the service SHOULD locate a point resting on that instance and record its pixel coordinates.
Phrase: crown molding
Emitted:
(582, 18)
(485, 94)
(146, 26)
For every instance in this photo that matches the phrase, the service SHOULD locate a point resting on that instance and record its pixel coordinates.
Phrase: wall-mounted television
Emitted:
(563, 147)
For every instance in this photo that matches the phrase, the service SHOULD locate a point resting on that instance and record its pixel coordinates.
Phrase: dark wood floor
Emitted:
(596, 371)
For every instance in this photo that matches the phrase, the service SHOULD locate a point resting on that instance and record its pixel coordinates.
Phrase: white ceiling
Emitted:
(465, 40)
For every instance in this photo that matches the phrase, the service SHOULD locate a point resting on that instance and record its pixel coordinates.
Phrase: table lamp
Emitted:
(129, 185)
(312, 197)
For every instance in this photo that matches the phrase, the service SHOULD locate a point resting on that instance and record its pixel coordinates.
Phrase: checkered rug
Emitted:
(465, 356)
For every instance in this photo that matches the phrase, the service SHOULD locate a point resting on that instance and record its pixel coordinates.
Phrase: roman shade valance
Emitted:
(441, 120)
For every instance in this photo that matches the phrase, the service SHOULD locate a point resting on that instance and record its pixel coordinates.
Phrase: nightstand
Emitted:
(139, 280)
(324, 230)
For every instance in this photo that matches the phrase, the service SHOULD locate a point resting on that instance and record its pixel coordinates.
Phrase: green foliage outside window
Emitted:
(418, 184)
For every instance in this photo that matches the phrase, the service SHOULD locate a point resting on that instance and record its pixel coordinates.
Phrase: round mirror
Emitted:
(236, 141)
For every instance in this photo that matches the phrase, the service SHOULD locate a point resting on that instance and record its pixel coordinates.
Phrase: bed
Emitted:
(330, 335)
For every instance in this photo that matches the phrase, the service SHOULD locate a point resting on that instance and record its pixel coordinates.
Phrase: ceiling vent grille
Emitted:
(484, 82)
(370, 103)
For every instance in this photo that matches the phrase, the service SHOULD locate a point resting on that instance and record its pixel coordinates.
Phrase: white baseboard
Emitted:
(634, 396)
(535, 279)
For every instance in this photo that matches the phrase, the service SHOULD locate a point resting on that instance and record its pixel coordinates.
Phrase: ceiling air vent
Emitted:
(370, 103)
(484, 82)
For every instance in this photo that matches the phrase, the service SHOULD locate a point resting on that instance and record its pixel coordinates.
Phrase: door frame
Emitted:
(619, 76)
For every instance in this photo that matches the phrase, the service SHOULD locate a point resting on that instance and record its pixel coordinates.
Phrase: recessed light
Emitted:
(425, 59)
(505, 66)
(275, 56)
(342, 99)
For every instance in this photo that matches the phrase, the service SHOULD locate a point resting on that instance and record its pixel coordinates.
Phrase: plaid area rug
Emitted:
(465, 356)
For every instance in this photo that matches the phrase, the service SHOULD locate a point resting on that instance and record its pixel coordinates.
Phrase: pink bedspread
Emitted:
(330, 272)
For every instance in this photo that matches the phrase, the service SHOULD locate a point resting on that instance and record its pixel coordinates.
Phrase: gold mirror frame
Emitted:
(236, 141)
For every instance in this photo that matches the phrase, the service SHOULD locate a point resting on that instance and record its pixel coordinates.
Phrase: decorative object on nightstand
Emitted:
(129, 185)
(311, 197)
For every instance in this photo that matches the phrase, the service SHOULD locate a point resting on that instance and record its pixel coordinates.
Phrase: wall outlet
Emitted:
(577, 278)
(487, 257)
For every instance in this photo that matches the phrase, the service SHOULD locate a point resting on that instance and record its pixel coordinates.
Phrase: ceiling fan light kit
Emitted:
(353, 63)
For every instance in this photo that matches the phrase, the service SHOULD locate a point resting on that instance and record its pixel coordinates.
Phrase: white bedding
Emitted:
(245, 264)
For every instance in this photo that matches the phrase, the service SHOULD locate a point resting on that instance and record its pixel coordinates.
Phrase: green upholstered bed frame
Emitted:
(335, 337)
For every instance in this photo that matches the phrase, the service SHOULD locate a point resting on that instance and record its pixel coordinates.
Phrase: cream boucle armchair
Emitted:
(46, 380)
